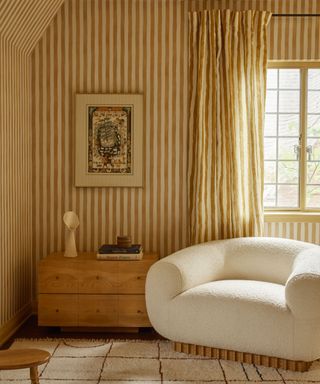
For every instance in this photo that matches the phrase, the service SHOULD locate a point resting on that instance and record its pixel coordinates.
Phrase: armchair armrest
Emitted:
(303, 285)
(178, 272)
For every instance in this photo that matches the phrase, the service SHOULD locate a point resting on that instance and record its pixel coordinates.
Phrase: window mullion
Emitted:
(303, 136)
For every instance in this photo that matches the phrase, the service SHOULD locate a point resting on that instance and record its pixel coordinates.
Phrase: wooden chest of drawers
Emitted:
(87, 292)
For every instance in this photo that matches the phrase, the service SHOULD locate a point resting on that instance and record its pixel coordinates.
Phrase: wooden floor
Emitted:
(30, 330)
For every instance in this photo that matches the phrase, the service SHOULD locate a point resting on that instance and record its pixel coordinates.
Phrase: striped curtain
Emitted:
(227, 82)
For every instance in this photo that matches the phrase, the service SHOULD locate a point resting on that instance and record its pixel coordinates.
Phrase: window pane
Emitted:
(269, 196)
(314, 102)
(288, 195)
(314, 125)
(271, 101)
(286, 150)
(272, 78)
(270, 171)
(315, 147)
(289, 79)
(270, 149)
(281, 132)
(314, 79)
(313, 196)
(289, 101)
(270, 125)
(313, 173)
(289, 125)
(288, 172)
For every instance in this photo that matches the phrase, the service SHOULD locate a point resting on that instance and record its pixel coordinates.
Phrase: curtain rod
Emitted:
(296, 15)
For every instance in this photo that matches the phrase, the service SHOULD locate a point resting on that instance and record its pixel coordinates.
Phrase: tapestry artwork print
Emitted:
(109, 140)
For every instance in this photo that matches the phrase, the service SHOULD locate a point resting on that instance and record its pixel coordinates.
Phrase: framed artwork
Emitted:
(108, 140)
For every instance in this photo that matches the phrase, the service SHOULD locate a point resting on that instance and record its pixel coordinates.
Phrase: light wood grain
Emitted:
(22, 358)
(58, 309)
(58, 277)
(95, 277)
(133, 311)
(87, 292)
(132, 276)
(243, 357)
(98, 310)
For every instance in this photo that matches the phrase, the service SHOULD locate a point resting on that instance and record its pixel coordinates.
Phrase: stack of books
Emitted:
(116, 252)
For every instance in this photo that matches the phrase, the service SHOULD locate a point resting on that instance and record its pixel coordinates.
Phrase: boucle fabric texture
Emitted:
(142, 362)
(258, 295)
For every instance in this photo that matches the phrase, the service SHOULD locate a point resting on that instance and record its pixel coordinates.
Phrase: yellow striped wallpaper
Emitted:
(19, 32)
(294, 38)
(15, 177)
(309, 232)
(22, 22)
(103, 46)
(106, 46)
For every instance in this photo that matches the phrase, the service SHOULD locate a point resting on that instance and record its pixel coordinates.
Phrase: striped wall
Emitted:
(15, 182)
(103, 46)
(22, 22)
(19, 32)
(303, 231)
(292, 38)
(108, 46)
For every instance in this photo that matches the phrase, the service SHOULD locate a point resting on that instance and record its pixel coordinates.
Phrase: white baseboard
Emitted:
(11, 326)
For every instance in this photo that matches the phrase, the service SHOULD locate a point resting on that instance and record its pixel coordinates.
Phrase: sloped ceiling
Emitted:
(22, 22)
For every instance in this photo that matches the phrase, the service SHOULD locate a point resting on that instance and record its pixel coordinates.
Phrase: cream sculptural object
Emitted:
(71, 221)
(260, 296)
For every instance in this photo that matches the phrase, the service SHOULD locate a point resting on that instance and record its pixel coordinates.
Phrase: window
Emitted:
(292, 138)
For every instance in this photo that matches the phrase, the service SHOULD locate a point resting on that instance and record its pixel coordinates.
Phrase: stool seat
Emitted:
(24, 358)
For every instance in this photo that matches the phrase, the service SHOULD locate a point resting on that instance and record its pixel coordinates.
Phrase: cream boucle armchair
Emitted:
(255, 295)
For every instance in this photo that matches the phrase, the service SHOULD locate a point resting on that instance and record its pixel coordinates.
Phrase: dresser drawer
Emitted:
(58, 310)
(58, 277)
(98, 310)
(132, 276)
(133, 311)
(98, 277)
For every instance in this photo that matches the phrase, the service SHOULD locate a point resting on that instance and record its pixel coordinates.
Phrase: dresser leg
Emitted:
(34, 375)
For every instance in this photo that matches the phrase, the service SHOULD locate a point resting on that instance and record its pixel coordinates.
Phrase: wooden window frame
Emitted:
(301, 213)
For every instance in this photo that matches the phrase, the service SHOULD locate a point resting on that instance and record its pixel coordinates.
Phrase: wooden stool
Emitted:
(24, 358)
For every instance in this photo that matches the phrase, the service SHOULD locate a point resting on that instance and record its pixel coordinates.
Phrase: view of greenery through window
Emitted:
(283, 144)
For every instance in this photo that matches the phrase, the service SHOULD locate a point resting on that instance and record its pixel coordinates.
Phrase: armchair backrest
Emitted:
(261, 258)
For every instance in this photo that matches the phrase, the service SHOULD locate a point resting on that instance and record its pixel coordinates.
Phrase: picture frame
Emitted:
(108, 135)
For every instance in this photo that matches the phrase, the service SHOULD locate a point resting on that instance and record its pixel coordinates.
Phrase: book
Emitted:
(119, 256)
(115, 249)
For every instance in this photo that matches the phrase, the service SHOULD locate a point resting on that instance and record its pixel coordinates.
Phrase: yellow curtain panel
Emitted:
(227, 82)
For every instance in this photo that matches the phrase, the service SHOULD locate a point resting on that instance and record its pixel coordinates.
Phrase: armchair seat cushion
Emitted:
(242, 315)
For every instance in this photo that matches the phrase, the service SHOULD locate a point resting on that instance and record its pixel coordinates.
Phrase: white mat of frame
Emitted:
(137, 361)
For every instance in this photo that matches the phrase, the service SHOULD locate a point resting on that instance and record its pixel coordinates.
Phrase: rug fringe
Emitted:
(87, 339)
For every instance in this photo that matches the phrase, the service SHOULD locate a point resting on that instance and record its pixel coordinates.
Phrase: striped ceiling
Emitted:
(22, 22)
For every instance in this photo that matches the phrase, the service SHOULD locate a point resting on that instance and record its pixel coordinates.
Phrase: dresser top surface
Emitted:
(150, 256)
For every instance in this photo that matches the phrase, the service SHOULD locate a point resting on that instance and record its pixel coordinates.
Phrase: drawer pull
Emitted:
(139, 278)
(97, 277)
(98, 310)
(138, 311)
(57, 310)
(57, 277)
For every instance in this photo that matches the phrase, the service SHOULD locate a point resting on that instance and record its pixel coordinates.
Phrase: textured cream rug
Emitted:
(138, 361)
